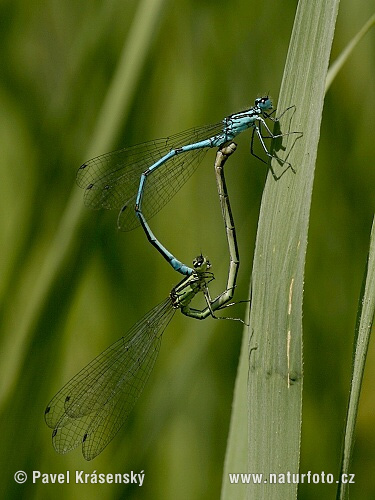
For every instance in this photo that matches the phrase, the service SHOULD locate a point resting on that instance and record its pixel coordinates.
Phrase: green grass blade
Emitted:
(112, 115)
(275, 357)
(236, 453)
(365, 318)
(124, 83)
(345, 54)
(275, 350)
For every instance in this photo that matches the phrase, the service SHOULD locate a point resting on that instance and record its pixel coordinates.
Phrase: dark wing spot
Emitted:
(84, 437)
(47, 410)
(54, 432)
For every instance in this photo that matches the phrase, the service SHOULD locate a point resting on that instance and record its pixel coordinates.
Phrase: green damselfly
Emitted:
(91, 408)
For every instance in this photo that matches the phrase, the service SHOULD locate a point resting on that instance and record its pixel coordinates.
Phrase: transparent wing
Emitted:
(93, 405)
(111, 180)
(161, 185)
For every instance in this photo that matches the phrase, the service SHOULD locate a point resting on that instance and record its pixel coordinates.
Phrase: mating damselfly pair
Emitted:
(93, 405)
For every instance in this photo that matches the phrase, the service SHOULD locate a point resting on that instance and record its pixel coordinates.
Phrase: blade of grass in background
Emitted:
(113, 114)
(341, 60)
(364, 324)
(275, 349)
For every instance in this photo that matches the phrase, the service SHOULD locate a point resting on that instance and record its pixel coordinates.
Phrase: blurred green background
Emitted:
(204, 61)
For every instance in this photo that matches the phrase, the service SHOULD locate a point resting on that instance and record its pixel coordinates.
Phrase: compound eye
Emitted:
(198, 262)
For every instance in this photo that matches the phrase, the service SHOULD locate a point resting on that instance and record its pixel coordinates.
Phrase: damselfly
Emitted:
(91, 408)
(140, 180)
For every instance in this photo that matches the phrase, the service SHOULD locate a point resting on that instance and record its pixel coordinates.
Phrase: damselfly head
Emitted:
(201, 264)
(264, 103)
